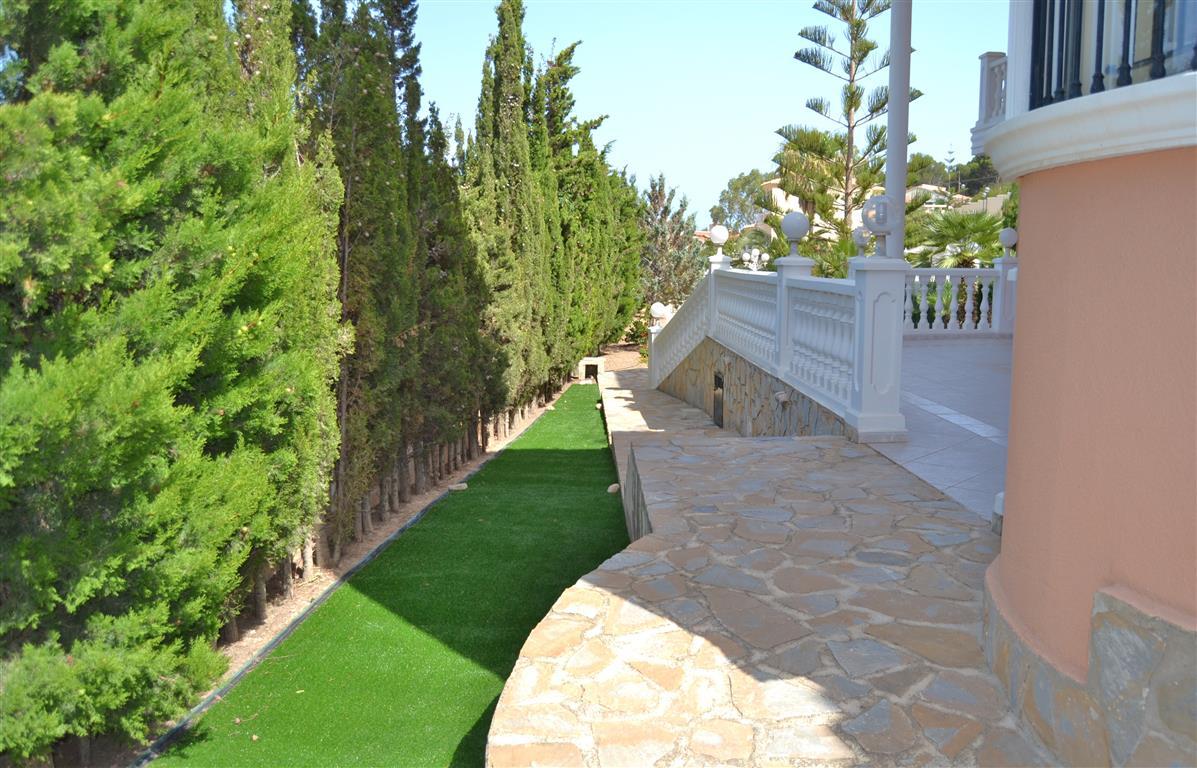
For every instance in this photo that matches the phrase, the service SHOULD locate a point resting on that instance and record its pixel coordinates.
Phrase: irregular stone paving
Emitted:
(801, 601)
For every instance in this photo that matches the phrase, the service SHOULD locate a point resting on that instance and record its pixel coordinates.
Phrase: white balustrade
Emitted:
(670, 344)
(991, 108)
(839, 341)
(957, 302)
(822, 333)
(745, 313)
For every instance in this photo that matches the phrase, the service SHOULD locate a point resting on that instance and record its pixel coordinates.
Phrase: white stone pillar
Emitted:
(654, 365)
(1005, 293)
(874, 407)
(898, 126)
(718, 262)
(787, 266)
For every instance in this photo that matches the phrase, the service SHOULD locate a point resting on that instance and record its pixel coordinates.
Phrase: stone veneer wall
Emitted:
(635, 508)
(1139, 704)
(750, 405)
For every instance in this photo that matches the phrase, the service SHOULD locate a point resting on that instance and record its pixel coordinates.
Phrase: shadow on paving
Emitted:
(403, 665)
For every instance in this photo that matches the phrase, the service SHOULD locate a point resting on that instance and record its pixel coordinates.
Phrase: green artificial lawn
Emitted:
(403, 664)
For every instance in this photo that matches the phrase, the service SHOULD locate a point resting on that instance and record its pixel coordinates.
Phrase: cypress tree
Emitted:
(166, 423)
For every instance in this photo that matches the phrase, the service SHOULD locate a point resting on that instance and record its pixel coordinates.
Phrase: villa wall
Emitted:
(1101, 496)
(750, 403)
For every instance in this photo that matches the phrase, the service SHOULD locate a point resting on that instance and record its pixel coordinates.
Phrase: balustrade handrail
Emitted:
(839, 285)
(952, 271)
(747, 275)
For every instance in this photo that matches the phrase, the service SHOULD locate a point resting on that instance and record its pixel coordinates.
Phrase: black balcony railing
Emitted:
(1108, 44)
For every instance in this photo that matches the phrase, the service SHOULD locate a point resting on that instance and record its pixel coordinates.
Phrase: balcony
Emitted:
(1063, 50)
(1081, 48)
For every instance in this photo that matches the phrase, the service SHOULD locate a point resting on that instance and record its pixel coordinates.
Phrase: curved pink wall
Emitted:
(1101, 482)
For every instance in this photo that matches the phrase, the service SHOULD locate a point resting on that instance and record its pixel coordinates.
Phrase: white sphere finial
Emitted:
(860, 236)
(718, 234)
(795, 225)
(657, 310)
(875, 214)
(1008, 237)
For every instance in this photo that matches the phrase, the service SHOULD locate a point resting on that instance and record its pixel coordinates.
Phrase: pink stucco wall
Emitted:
(1101, 484)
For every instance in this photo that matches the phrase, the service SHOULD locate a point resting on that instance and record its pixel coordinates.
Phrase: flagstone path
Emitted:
(800, 601)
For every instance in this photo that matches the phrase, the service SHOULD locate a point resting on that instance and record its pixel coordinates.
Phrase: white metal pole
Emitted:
(898, 130)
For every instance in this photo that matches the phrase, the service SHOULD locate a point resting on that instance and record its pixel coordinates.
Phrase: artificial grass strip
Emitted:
(403, 664)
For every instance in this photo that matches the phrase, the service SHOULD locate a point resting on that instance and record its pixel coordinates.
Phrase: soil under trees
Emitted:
(404, 663)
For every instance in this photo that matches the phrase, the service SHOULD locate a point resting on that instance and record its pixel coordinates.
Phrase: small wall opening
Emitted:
(717, 401)
(591, 371)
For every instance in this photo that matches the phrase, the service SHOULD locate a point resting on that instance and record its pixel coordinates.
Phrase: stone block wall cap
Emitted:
(793, 261)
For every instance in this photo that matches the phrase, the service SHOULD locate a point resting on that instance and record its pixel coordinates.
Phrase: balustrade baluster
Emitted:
(847, 316)
(1157, 41)
(1099, 79)
(924, 317)
(1074, 64)
(970, 285)
(1049, 50)
(1058, 94)
(953, 315)
(1124, 67)
(908, 302)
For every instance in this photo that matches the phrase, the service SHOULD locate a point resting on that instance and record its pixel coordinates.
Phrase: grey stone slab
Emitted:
(863, 657)
(723, 576)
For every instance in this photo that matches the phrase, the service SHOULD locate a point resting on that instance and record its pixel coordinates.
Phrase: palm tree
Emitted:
(957, 239)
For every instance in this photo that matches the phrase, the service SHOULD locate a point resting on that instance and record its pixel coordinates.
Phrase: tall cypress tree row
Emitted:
(556, 227)
(168, 289)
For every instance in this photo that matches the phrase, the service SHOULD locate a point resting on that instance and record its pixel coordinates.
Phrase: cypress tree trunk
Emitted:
(334, 551)
(284, 574)
(84, 751)
(260, 605)
(230, 632)
(404, 478)
(367, 522)
(309, 565)
(420, 467)
(384, 494)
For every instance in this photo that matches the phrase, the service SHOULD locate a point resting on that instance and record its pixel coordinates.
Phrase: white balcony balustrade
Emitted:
(822, 334)
(669, 345)
(745, 316)
(960, 302)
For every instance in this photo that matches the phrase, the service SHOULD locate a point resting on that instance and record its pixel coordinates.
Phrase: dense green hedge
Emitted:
(167, 293)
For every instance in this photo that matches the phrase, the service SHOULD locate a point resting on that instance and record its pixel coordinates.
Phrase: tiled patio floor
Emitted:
(801, 601)
(956, 400)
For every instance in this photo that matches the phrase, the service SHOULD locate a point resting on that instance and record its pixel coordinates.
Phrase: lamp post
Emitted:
(755, 260)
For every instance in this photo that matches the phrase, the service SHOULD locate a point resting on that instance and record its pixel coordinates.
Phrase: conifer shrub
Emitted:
(167, 290)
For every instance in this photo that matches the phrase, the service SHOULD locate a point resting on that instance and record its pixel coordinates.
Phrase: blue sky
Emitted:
(696, 89)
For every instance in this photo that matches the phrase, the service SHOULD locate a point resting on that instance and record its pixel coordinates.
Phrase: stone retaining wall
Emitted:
(750, 396)
(1138, 705)
(635, 508)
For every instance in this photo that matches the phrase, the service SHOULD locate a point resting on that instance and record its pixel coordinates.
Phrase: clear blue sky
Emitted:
(696, 89)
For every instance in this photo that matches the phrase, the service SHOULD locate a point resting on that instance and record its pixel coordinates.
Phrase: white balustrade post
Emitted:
(1005, 286)
(794, 225)
(787, 266)
(654, 365)
(874, 409)
(1004, 293)
(719, 235)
